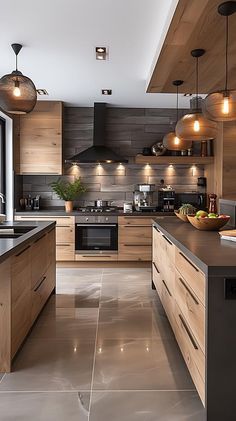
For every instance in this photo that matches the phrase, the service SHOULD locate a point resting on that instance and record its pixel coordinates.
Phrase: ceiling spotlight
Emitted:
(106, 91)
(101, 53)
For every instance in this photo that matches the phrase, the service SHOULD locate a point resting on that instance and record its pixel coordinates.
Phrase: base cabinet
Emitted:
(27, 280)
(181, 289)
(135, 238)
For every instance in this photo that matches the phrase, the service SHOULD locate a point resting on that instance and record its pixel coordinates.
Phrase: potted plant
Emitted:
(68, 191)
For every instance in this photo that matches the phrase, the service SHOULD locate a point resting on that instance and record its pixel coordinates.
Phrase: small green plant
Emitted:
(66, 190)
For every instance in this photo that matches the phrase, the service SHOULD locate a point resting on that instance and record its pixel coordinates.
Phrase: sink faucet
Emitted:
(2, 197)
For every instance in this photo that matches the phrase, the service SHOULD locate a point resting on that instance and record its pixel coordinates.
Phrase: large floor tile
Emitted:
(66, 323)
(146, 406)
(87, 293)
(72, 406)
(43, 365)
(138, 364)
(135, 323)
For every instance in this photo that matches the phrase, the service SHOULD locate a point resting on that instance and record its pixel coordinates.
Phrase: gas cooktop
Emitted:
(94, 209)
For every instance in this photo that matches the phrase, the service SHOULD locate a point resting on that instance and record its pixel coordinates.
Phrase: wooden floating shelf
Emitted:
(168, 160)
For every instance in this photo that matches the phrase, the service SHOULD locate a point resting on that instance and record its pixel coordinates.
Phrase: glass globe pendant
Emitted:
(221, 105)
(195, 126)
(18, 94)
(171, 141)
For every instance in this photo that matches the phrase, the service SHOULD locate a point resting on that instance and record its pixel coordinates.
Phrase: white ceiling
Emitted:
(59, 38)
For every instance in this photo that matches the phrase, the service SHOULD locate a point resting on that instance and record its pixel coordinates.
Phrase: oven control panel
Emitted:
(96, 219)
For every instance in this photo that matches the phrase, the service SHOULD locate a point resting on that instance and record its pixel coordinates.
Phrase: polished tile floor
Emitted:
(102, 350)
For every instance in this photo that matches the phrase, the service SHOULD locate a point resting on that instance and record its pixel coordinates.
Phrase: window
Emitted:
(2, 163)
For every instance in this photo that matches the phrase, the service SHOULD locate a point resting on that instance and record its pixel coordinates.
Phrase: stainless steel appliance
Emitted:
(143, 197)
(96, 234)
(36, 203)
(166, 199)
(99, 209)
(197, 199)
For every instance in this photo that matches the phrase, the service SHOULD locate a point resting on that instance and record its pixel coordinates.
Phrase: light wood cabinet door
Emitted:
(40, 149)
(39, 259)
(135, 220)
(192, 274)
(192, 353)
(65, 252)
(135, 239)
(41, 292)
(5, 316)
(65, 234)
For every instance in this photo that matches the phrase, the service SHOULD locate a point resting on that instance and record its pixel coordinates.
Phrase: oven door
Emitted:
(91, 238)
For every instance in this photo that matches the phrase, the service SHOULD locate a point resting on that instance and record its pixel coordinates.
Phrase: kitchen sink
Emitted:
(7, 231)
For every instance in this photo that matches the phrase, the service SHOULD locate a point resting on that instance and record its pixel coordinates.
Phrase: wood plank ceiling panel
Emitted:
(195, 24)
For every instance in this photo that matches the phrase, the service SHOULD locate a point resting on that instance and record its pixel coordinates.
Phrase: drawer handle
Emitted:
(21, 252)
(155, 266)
(168, 241)
(189, 261)
(188, 332)
(136, 245)
(136, 226)
(189, 291)
(167, 288)
(39, 284)
(63, 226)
(156, 228)
(96, 255)
(62, 245)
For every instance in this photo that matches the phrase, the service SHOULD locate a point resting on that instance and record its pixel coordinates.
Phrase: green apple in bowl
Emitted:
(212, 215)
(201, 214)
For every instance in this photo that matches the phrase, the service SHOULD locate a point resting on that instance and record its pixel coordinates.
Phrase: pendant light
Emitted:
(171, 141)
(18, 94)
(194, 126)
(221, 105)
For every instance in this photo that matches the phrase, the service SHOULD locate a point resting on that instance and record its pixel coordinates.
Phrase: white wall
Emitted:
(9, 167)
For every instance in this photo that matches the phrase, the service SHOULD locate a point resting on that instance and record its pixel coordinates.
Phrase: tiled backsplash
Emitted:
(128, 131)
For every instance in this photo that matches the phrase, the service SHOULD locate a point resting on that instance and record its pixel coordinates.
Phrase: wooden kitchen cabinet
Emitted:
(135, 238)
(65, 234)
(181, 288)
(27, 280)
(40, 137)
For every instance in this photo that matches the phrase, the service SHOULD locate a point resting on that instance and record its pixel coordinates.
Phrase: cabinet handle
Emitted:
(96, 255)
(136, 245)
(167, 288)
(188, 332)
(155, 266)
(189, 291)
(63, 226)
(156, 228)
(168, 241)
(189, 261)
(63, 245)
(22, 251)
(39, 284)
(136, 226)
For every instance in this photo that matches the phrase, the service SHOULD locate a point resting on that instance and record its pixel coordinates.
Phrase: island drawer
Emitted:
(192, 275)
(41, 292)
(168, 303)
(156, 277)
(192, 353)
(191, 307)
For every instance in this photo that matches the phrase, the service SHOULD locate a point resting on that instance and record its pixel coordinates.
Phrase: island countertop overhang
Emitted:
(215, 257)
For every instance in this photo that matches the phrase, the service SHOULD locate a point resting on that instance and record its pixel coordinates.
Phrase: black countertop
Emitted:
(212, 255)
(53, 212)
(11, 246)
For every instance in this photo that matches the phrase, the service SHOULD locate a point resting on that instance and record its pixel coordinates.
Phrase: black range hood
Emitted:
(98, 153)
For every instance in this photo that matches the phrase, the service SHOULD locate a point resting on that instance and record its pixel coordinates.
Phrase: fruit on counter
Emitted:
(212, 215)
(201, 214)
(187, 209)
(224, 216)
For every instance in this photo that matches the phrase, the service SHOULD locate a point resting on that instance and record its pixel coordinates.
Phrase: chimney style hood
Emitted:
(98, 153)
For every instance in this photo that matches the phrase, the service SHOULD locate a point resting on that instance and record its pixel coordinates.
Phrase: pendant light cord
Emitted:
(226, 53)
(177, 103)
(197, 83)
(16, 63)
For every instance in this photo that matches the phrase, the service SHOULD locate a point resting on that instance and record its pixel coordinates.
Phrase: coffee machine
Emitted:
(166, 198)
(143, 198)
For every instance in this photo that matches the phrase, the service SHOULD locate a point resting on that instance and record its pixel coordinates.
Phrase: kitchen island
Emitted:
(194, 273)
(27, 278)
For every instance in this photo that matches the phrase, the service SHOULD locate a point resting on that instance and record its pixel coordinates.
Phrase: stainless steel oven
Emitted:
(96, 233)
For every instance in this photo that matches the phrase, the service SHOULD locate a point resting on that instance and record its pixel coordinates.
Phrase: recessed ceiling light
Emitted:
(101, 53)
(42, 92)
(106, 91)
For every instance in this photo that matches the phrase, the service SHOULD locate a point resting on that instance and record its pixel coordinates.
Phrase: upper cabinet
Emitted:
(39, 148)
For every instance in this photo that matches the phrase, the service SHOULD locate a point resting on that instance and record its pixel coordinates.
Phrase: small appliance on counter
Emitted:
(166, 198)
(143, 198)
(29, 203)
(128, 207)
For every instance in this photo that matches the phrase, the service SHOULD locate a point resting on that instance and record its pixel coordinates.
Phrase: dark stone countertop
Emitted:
(61, 212)
(215, 257)
(11, 246)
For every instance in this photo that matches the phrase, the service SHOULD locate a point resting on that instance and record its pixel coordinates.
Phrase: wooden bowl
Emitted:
(181, 216)
(208, 224)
